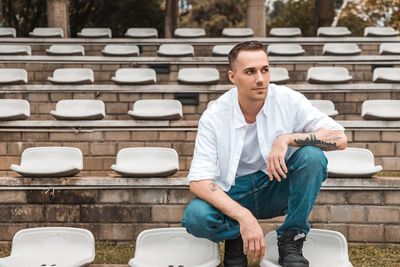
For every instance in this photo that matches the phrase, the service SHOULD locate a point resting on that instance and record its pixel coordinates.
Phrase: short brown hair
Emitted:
(245, 46)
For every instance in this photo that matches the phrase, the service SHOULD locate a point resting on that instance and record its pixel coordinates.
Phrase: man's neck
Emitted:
(250, 109)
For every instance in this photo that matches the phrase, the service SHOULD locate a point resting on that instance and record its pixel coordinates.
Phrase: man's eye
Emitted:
(249, 72)
(265, 70)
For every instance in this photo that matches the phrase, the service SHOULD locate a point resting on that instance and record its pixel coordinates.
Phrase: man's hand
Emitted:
(253, 237)
(276, 166)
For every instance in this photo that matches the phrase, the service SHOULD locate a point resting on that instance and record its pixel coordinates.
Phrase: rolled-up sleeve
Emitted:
(310, 119)
(205, 161)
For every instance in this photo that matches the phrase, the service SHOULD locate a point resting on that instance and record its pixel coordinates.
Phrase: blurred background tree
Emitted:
(214, 15)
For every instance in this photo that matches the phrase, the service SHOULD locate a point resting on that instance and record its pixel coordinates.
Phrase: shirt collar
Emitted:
(239, 120)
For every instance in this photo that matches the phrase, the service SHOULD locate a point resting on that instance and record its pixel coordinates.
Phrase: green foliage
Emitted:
(293, 13)
(359, 14)
(24, 15)
(119, 15)
(215, 15)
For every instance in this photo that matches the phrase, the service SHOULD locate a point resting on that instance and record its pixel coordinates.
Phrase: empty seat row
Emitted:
(147, 109)
(68, 161)
(205, 76)
(122, 76)
(174, 50)
(166, 109)
(157, 161)
(67, 246)
(200, 32)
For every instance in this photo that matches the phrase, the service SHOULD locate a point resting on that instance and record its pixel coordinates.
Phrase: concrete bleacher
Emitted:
(41, 67)
(202, 46)
(118, 209)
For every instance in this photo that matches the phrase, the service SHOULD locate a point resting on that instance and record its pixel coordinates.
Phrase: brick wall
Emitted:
(121, 214)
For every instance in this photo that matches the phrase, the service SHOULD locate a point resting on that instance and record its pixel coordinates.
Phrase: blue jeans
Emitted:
(294, 196)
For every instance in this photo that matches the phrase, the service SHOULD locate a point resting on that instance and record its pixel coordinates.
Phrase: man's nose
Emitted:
(259, 76)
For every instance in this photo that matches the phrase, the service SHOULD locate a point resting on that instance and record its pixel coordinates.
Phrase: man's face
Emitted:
(250, 73)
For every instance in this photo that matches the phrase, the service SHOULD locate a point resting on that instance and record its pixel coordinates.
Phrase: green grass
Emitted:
(360, 255)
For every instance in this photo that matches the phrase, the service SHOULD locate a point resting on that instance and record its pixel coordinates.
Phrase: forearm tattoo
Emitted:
(213, 187)
(313, 141)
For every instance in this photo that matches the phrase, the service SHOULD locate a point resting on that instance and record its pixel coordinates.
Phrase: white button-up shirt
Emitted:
(222, 130)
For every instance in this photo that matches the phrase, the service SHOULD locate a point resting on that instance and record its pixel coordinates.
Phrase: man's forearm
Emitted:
(210, 192)
(324, 139)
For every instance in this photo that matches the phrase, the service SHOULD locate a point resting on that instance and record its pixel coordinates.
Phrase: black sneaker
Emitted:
(290, 246)
(234, 256)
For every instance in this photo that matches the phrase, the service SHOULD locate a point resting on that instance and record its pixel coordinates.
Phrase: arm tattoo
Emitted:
(313, 141)
(213, 187)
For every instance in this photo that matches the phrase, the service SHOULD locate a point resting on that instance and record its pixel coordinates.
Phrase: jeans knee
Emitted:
(312, 159)
(197, 217)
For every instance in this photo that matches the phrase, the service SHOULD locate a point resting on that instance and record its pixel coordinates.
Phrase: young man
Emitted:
(258, 155)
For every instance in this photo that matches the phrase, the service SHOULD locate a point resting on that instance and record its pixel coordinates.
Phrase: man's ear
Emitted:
(231, 76)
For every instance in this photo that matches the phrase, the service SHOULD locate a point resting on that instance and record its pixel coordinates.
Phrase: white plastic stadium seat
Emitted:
(198, 76)
(156, 109)
(134, 76)
(174, 50)
(237, 32)
(389, 49)
(13, 76)
(322, 248)
(49, 162)
(333, 32)
(66, 50)
(72, 76)
(51, 247)
(174, 248)
(95, 33)
(278, 75)
(351, 162)
(325, 106)
(285, 32)
(189, 32)
(79, 109)
(141, 33)
(328, 75)
(341, 49)
(14, 109)
(221, 50)
(8, 32)
(146, 162)
(285, 50)
(15, 50)
(121, 50)
(380, 32)
(386, 75)
(47, 33)
(382, 109)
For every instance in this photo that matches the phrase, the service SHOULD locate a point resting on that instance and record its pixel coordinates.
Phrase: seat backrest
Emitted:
(93, 32)
(135, 72)
(47, 32)
(189, 32)
(238, 32)
(159, 105)
(141, 32)
(285, 32)
(322, 248)
(380, 31)
(37, 156)
(80, 104)
(14, 105)
(73, 73)
(174, 247)
(329, 71)
(8, 74)
(143, 156)
(8, 32)
(350, 156)
(15, 49)
(325, 106)
(62, 246)
(65, 49)
(333, 31)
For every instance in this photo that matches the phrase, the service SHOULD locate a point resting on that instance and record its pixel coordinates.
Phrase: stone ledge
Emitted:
(186, 125)
(180, 88)
(201, 41)
(94, 182)
(359, 59)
